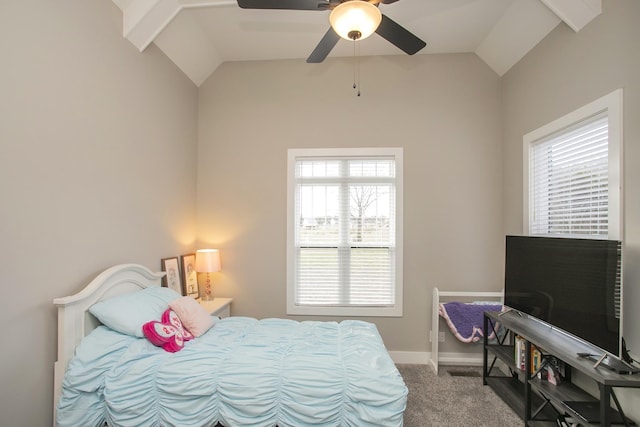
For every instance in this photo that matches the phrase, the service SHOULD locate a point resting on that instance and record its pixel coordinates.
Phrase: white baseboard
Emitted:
(410, 357)
(424, 358)
(460, 359)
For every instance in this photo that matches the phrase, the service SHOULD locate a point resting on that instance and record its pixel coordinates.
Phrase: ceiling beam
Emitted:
(188, 46)
(145, 19)
(184, 42)
(522, 26)
(575, 13)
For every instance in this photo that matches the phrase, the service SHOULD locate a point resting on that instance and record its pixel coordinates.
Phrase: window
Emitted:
(344, 225)
(574, 167)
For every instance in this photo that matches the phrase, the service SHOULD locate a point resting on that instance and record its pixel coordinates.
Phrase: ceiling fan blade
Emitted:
(285, 4)
(388, 1)
(324, 47)
(399, 36)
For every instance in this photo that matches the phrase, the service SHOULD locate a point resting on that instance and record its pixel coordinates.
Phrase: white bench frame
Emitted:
(448, 296)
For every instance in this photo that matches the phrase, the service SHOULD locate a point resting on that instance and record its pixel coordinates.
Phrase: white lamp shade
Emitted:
(355, 15)
(207, 260)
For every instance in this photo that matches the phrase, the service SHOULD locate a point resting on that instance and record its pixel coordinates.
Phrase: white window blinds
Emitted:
(345, 231)
(568, 181)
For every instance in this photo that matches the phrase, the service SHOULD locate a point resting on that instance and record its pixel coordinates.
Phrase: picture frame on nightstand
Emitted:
(189, 275)
(172, 279)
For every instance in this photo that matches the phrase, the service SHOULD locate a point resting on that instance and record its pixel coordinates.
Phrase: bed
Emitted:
(443, 297)
(242, 371)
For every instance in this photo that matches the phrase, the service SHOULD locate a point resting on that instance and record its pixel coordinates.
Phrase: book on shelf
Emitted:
(535, 357)
(520, 352)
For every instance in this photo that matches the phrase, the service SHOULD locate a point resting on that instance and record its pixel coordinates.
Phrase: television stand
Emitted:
(537, 400)
(510, 310)
(608, 362)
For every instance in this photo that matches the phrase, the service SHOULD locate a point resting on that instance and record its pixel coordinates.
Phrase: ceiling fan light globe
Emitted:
(355, 16)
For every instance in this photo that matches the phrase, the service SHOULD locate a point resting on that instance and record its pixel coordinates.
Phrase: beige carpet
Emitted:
(453, 401)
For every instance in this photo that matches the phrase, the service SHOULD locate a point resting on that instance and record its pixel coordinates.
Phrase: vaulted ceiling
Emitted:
(199, 35)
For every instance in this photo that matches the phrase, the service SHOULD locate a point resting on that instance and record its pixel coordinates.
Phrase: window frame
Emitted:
(395, 310)
(611, 103)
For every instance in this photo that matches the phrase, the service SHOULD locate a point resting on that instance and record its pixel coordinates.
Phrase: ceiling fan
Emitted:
(341, 10)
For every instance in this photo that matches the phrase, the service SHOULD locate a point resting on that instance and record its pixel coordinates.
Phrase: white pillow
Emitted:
(127, 313)
(192, 315)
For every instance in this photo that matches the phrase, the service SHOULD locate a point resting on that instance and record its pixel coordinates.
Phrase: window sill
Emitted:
(299, 310)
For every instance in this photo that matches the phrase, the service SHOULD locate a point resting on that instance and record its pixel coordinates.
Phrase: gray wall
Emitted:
(565, 71)
(97, 167)
(443, 109)
(98, 164)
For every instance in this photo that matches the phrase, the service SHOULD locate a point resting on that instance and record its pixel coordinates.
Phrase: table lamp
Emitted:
(207, 261)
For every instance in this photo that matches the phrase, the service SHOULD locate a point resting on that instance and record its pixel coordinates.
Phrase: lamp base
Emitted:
(208, 295)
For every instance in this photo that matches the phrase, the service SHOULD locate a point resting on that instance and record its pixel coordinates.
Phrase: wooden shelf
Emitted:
(526, 395)
(504, 353)
(564, 348)
(511, 391)
(542, 424)
(591, 415)
(561, 392)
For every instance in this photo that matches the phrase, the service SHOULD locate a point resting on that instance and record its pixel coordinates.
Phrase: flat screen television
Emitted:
(572, 284)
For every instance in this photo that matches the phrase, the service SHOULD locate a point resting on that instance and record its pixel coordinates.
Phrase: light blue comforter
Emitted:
(242, 372)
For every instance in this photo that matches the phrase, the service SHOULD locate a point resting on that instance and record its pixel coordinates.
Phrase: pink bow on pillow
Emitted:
(168, 333)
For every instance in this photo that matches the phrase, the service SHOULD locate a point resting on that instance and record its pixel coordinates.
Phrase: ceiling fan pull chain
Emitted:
(356, 67)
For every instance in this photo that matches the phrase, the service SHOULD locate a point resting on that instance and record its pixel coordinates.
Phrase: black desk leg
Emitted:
(485, 365)
(605, 405)
(527, 385)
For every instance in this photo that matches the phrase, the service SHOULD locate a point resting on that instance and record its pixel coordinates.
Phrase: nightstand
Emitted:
(220, 307)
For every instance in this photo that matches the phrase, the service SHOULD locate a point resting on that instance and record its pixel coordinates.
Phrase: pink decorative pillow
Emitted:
(171, 317)
(168, 333)
(193, 316)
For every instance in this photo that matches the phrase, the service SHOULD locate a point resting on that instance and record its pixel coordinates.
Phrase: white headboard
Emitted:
(74, 320)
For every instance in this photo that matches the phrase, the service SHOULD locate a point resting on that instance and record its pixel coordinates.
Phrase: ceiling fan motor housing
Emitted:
(355, 19)
(380, 24)
(354, 35)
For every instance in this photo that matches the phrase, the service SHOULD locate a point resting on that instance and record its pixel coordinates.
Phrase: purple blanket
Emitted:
(465, 320)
